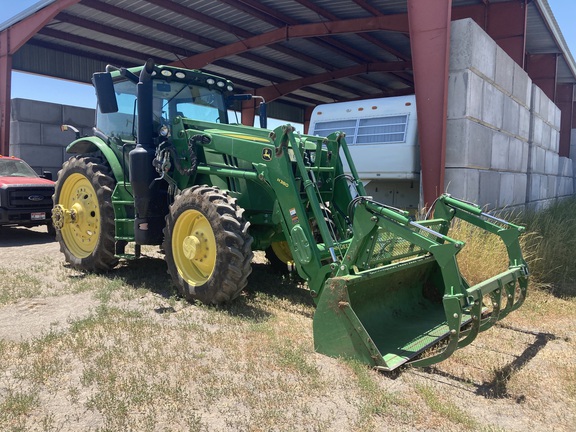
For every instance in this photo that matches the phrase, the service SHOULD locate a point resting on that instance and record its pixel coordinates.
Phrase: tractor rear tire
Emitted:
(84, 186)
(207, 245)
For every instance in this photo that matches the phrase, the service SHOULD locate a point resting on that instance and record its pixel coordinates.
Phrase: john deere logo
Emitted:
(267, 154)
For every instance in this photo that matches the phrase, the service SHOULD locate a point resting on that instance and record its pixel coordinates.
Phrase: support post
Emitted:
(307, 116)
(5, 92)
(565, 101)
(429, 24)
(248, 113)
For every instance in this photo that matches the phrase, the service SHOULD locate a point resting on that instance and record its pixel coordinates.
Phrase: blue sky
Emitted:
(59, 91)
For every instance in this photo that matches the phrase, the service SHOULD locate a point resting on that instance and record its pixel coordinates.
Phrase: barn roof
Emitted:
(318, 51)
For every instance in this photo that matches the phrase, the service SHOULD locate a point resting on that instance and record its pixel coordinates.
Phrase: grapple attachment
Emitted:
(399, 291)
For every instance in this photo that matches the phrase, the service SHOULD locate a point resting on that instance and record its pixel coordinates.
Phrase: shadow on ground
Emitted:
(497, 387)
(266, 280)
(150, 273)
(20, 236)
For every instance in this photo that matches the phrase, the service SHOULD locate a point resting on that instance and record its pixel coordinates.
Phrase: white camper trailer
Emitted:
(383, 140)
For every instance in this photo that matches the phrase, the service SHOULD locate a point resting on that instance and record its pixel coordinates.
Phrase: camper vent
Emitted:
(373, 130)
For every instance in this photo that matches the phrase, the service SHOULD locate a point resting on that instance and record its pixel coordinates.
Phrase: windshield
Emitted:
(15, 168)
(171, 99)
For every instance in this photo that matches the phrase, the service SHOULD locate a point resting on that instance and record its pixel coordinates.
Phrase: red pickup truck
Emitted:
(25, 197)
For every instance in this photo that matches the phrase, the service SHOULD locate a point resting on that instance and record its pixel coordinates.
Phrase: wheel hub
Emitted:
(196, 247)
(61, 216)
(190, 247)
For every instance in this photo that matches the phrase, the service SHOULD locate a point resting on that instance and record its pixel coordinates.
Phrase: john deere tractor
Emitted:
(165, 166)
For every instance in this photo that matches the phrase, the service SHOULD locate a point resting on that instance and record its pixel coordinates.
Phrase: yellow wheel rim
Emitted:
(194, 247)
(81, 232)
(282, 251)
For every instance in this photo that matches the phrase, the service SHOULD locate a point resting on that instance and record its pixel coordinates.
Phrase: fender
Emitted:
(95, 144)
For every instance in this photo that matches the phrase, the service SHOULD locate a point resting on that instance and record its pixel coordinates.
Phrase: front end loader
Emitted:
(166, 167)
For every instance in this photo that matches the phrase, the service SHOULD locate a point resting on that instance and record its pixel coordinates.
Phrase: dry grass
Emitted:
(551, 247)
(141, 359)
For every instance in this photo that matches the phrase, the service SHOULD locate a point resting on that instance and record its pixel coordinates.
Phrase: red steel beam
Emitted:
(278, 90)
(430, 43)
(239, 32)
(542, 68)
(388, 22)
(307, 116)
(11, 40)
(343, 47)
(574, 113)
(277, 19)
(248, 113)
(23, 30)
(5, 94)
(565, 101)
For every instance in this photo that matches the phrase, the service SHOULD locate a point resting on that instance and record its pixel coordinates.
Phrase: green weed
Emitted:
(444, 408)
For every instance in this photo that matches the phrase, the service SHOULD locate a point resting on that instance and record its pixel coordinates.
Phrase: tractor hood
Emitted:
(240, 132)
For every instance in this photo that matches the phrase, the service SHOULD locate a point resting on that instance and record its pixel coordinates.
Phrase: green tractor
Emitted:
(166, 167)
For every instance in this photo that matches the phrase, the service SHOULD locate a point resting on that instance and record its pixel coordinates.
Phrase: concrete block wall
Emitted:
(502, 131)
(488, 125)
(35, 134)
(551, 176)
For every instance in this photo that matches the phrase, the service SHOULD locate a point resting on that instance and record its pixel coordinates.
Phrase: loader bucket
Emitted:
(404, 293)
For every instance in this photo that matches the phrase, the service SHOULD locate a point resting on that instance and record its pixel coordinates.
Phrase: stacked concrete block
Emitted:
(35, 133)
(565, 178)
(545, 170)
(503, 132)
(488, 126)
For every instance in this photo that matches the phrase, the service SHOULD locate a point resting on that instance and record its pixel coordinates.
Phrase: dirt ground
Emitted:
(524, 401)
(29, 318)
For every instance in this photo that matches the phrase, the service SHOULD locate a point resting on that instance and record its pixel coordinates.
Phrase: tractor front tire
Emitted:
(207, 245)
(84, 216)
(279, 255)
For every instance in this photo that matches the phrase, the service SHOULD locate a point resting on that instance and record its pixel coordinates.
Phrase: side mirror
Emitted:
(261, 109)
(47, 175)
(263, 115)
(104, 86)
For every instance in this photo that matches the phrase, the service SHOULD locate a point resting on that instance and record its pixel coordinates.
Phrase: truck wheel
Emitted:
(207, 245)
(83, 215)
